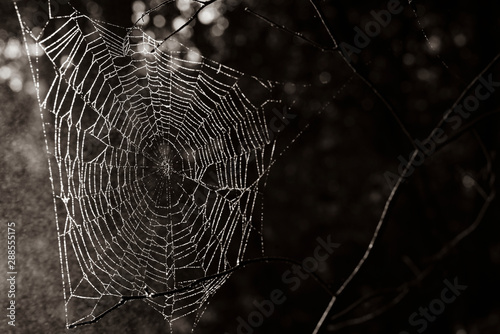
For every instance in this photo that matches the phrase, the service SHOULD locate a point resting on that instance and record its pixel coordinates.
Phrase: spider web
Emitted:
(157, 158)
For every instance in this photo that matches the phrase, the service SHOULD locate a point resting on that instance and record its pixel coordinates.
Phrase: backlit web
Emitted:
(157, 156)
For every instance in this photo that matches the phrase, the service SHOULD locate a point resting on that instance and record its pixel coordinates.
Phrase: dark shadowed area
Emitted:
(364, 85)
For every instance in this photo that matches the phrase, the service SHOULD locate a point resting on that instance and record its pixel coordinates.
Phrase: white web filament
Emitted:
(157, 166)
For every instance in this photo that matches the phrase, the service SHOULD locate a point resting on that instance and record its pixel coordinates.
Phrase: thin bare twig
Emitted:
(363, 259)
(204, 4)
(241, 265)
(365, 80)
(446, 249)
(146, 13)
(392, 195)
(405, 288)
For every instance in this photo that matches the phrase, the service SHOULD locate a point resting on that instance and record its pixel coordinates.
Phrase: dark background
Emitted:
(330, 181)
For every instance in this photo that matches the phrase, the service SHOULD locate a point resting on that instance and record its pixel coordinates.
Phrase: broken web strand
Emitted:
(121, 155)
(426, 37)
